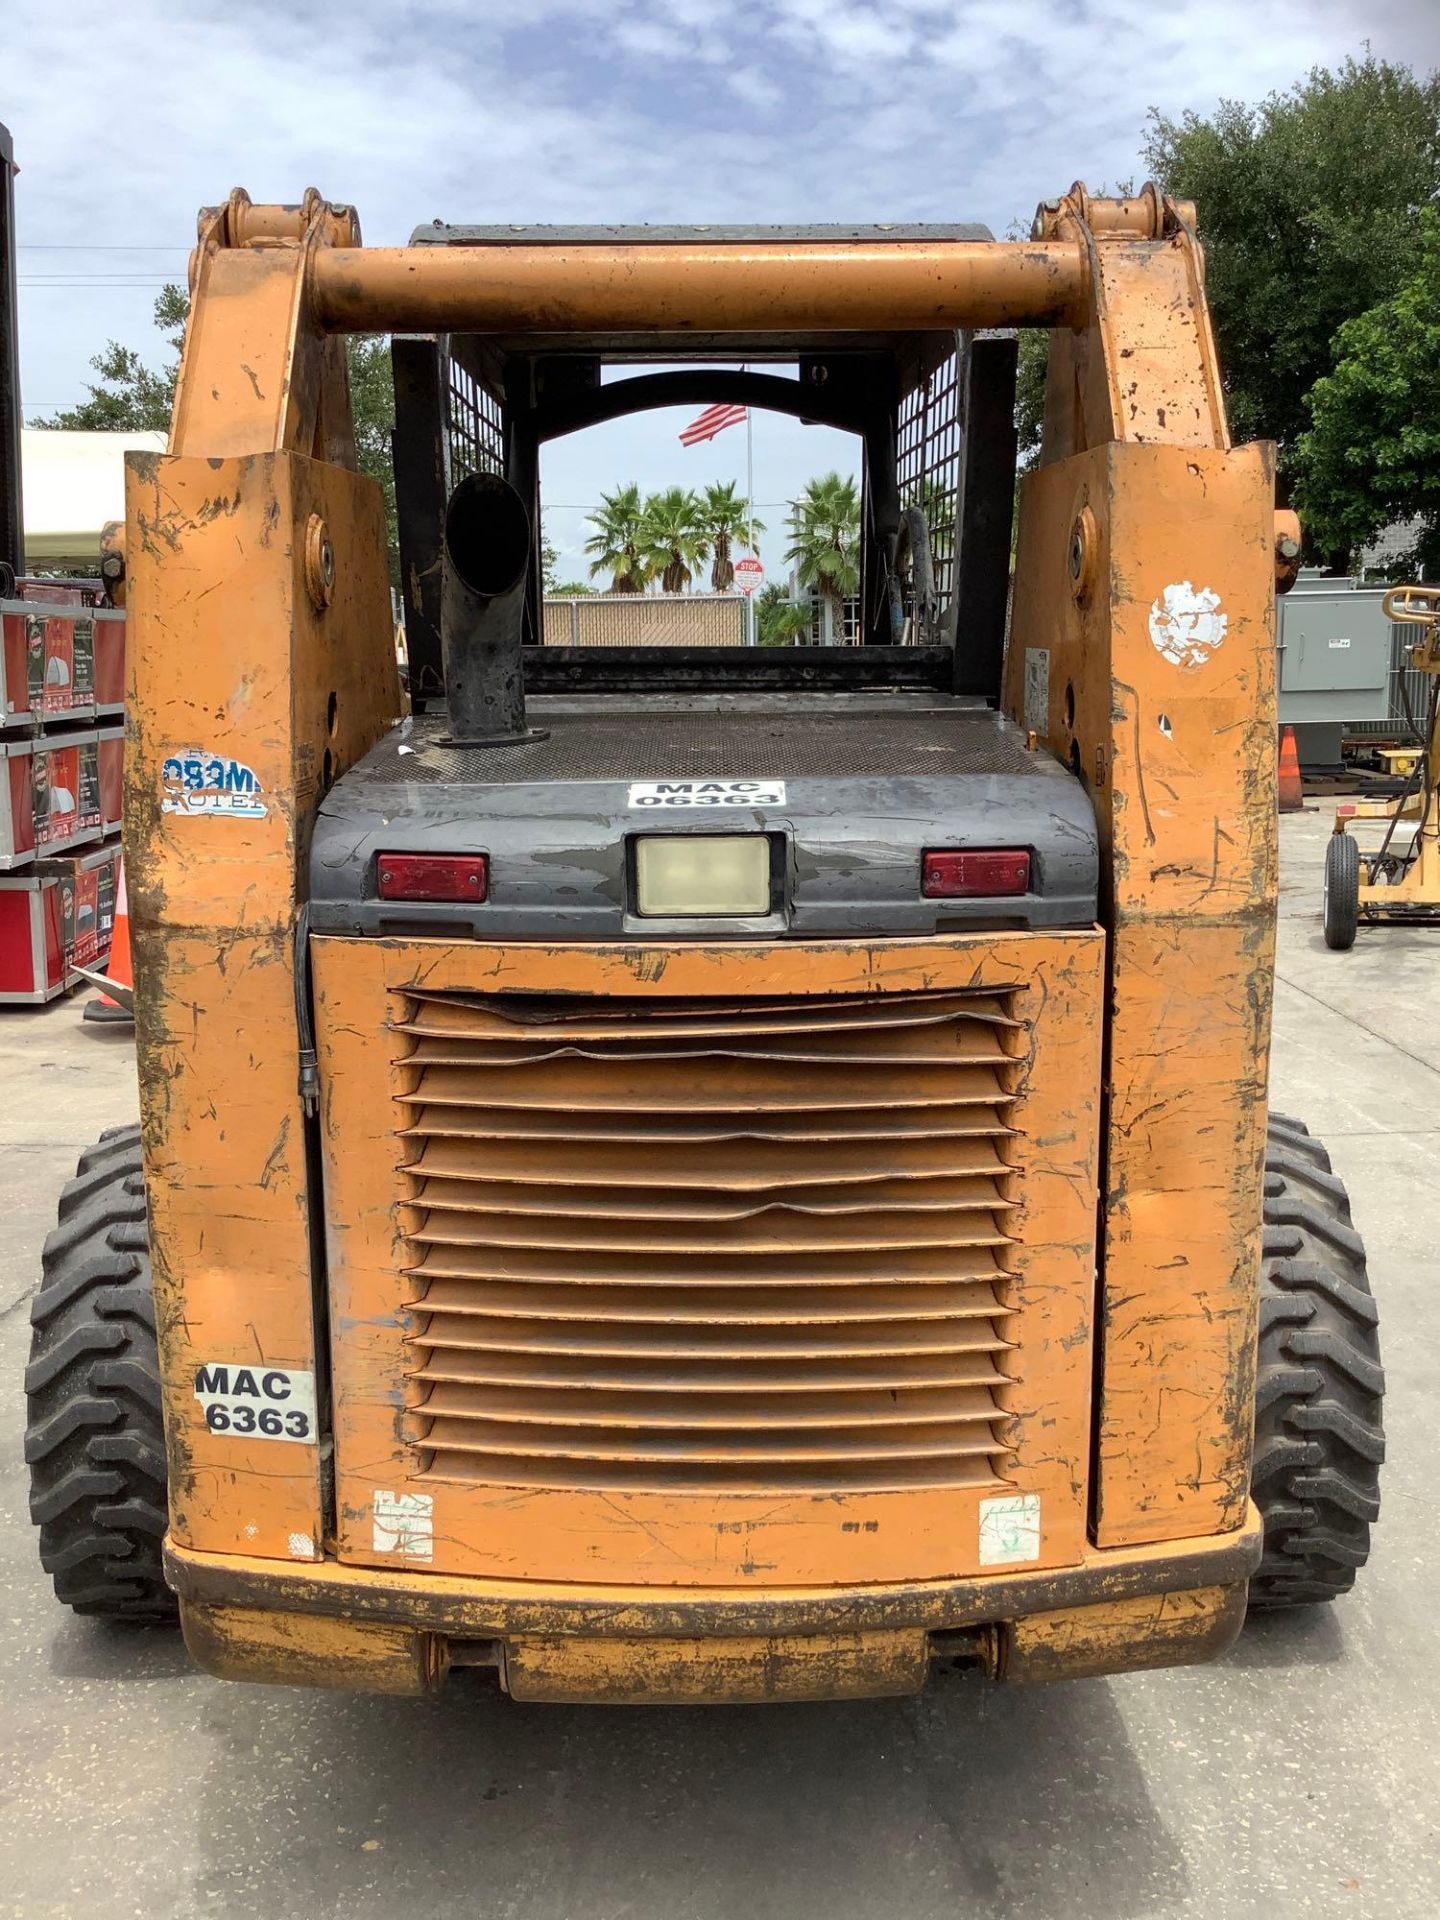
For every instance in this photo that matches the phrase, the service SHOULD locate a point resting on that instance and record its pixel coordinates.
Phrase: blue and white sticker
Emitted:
(196, 782)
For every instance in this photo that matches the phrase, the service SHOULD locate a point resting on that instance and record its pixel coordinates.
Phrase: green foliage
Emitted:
(825, 544)
(618, 542)
(129, 396)
(1030, 375)
(727, 517)
(372, 406)
(779, 620)
(669, 536)
(132, 397)
(675, 538)
(1372, 456)
(1307, 209)
(570, 589)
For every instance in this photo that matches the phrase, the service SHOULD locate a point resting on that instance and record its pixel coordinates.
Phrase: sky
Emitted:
(599, 110)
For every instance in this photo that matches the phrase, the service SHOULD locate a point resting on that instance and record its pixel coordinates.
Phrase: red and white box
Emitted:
(51, 799)
(60, 661)
(109, 643)
(112, 776)
(54, 920)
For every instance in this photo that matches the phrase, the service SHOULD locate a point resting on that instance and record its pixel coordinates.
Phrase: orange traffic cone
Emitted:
(1292, 791)
(116, 1004)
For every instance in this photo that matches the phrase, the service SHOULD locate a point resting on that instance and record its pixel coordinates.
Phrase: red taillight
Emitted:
(975, 876)
(431, 876)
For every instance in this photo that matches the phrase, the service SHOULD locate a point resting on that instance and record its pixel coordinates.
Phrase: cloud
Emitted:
(599, 110)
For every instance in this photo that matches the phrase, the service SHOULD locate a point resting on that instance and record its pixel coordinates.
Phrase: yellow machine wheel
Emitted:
(1342, 892)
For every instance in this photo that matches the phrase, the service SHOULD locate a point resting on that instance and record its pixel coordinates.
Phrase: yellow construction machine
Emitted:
(1398, 882)
(703, 1173)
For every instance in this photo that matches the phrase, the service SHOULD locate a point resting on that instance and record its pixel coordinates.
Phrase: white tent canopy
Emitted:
(73, 483)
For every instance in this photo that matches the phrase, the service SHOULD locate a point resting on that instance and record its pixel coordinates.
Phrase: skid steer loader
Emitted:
(689, 1173)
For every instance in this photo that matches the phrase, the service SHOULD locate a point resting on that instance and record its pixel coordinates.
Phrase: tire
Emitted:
(1319, 1440)
(93, 1435)
(1342, 892)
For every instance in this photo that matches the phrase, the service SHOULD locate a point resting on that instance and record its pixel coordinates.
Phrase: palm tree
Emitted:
(727, 517)
(779, 620)
(675, 541)
(825, 546)
(619, 540)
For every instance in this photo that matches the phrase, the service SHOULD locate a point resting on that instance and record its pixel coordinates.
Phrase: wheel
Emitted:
(1319, 1389)
(1342, 892)
(93, 1435)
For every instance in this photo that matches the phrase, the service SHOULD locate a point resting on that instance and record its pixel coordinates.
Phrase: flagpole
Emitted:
(750, 514)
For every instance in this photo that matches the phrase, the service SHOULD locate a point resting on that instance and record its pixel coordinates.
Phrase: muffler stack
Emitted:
(482, 611)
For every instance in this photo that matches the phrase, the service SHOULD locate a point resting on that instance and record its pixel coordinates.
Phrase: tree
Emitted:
(1034, 356)
(372, 407)
(825, 546)
(675, 537)
(1307, 209)
(779, 620)
(618, 542)
(131, 396)
(1372, 456)
(1030, 375)
(727, 517)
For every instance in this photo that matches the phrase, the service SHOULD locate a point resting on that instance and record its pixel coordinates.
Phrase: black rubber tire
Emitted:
(1342, 892)
(1319, 1438)
(93, 1434)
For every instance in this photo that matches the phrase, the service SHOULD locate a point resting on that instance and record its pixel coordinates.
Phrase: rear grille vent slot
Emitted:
(709, 1244)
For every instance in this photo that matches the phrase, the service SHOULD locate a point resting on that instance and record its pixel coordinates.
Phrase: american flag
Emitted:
(713, 420)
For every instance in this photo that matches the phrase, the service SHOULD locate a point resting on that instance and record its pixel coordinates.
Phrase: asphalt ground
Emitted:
(1299, 1775)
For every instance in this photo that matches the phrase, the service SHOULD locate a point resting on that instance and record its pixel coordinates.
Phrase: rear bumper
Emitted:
(342, 1626)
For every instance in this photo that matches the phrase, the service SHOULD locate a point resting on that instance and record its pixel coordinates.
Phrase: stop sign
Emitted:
(748, 573)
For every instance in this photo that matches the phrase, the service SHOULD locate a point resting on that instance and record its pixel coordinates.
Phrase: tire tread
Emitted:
(1319, 1438)
(94, 1438)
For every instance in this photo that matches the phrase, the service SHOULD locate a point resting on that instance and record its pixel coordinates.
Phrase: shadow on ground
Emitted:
(968, 1800)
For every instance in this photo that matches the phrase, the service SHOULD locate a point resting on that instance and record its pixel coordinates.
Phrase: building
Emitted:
(72, 484)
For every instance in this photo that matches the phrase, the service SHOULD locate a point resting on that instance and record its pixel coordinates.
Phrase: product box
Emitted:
(109, 643)
(64, 662)
(51, 797)
(112, 776)
(52, 921)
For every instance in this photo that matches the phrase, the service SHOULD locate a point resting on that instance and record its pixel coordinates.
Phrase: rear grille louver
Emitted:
(708, 1244)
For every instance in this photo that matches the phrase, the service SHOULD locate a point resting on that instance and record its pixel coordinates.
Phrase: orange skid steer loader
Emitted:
(693, 1173)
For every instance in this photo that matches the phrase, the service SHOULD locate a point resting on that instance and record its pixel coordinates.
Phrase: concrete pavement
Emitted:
(1298, 1776)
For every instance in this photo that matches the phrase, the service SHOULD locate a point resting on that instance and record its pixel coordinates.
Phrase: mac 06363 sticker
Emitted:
(677, 795)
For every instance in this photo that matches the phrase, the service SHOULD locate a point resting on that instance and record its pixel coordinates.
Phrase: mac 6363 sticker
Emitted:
(253, 1402)
(196, 781)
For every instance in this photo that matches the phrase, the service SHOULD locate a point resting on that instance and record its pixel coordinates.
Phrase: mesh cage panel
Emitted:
(928, 463)
(476, 438)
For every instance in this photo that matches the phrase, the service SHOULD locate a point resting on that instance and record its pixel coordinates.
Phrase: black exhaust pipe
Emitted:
(482, 612)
